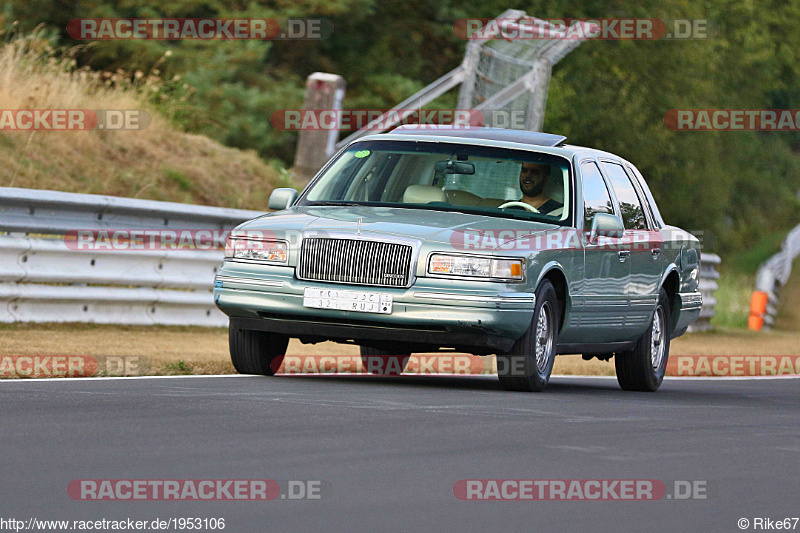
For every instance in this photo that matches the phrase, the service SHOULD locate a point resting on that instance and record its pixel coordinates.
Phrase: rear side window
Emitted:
(629, 205)
(648, 210)
(595, 194)
(659, 222)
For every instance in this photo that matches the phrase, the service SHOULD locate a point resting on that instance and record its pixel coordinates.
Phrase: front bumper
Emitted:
(434, 312)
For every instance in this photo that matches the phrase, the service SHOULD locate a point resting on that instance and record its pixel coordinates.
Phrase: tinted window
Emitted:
(629, 205)
(414, 175)
(649, 196)
(642, 197)
(595, 194)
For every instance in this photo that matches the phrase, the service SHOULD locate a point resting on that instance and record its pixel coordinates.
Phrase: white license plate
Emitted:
(346, 300)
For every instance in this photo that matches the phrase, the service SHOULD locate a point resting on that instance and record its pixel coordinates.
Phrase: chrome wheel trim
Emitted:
(657, 339)
(544, 336)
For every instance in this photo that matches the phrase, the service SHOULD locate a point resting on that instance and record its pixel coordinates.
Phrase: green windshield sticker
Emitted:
(362, 153)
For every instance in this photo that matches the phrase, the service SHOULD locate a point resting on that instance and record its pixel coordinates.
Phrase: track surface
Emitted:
(391, 449)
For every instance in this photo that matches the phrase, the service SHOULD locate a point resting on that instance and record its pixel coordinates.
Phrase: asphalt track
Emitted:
(391, 449)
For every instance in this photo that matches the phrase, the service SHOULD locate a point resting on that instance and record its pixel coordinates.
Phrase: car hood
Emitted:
(426, 225)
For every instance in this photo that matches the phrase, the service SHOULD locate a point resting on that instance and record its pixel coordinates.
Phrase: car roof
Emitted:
(494, 134)
(499, 137)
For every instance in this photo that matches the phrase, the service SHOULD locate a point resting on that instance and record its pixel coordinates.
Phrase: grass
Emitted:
(733, 299)
(159, 162)
(161, 350)
(179, 367)
(734, 294)
(751, 257)
(184, 183)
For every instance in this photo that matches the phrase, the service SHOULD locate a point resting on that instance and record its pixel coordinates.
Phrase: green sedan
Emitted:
(480, 240)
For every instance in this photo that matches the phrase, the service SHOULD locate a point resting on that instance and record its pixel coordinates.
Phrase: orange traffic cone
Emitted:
(758, 307)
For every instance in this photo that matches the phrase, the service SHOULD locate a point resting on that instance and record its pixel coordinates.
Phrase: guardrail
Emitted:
(771, 276)
(45, 277)
(708, 284)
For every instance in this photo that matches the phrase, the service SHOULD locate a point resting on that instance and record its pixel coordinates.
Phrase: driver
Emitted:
(532, 180)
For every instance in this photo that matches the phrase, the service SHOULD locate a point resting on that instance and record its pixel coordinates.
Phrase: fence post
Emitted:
(315, 147)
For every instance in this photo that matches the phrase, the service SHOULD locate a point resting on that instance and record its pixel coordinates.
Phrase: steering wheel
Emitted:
(519, 204)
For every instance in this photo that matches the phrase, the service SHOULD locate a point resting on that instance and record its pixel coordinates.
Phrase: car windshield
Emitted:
(449, 177)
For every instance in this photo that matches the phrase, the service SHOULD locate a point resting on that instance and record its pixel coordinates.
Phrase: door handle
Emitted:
(623, 255)
(656, 252)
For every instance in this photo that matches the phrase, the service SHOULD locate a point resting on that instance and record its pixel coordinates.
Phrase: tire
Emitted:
(643, 368)
(383, 362)
(529, 363)
(256, 352)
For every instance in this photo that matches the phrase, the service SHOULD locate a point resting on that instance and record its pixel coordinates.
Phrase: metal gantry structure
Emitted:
(771, 276)
(498, 73)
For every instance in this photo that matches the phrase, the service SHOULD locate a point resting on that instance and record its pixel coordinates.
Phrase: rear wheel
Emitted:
(643, 368)
(529, 363)
(256, 352)
(383, 362)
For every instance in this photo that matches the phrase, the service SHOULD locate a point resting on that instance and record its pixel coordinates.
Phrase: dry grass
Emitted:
(158, 162)
(182, 350)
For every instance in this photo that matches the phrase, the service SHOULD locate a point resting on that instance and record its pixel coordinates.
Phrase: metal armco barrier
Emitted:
(45, 279)
(771, 276)
(708, 284)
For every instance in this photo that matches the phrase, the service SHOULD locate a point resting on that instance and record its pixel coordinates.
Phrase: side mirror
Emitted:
(282, 198)
(606, 225)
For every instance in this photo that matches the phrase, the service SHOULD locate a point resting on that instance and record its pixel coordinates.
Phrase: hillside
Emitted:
(158, 162)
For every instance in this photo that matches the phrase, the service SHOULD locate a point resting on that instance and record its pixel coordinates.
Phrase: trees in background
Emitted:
(612, 95)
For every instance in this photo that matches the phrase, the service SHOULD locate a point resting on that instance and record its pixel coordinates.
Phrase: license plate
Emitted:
(346, 300)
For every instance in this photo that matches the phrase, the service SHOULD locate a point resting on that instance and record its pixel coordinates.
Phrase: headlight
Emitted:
(270, 251)
(475, 266)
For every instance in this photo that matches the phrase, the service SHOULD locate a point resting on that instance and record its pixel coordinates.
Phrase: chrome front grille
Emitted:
(355, 261)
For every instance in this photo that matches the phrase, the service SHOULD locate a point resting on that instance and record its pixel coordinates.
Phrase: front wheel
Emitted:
(256, 352)
(384, 362)
(529, 363)
(643, 368)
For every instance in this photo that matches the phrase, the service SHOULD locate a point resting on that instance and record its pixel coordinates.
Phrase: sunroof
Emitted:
(493, 134)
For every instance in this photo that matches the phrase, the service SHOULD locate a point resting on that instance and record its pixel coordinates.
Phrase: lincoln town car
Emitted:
(476, 240)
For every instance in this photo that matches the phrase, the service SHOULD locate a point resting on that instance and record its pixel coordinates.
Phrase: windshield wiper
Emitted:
(334, 202)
